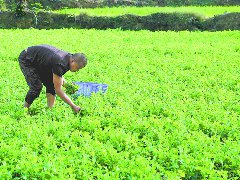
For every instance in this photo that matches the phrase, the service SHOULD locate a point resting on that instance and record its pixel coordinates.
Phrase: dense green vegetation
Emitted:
(171, 110)
(169, 18)
(208, 11)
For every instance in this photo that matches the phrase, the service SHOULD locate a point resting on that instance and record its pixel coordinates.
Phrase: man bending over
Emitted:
(45, 64)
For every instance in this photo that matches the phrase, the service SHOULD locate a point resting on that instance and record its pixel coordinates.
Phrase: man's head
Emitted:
(77, 61)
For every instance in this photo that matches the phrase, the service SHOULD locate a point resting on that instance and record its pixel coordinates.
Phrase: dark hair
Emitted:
(80, 58)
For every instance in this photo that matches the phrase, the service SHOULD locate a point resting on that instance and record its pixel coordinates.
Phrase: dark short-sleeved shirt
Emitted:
(48, 60)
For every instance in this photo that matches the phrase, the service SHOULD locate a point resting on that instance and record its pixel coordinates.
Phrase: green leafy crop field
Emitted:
(208, 11)
(171, 110)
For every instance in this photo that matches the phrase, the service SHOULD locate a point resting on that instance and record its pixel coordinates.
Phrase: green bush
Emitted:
(227, 2)
(153, 22)
(228, 21)
(175, 21)
(129, 21)
(11, 20)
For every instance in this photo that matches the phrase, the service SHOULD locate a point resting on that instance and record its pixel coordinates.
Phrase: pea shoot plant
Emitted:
(171, 110)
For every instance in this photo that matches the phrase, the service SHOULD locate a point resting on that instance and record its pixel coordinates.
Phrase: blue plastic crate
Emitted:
(87, 88)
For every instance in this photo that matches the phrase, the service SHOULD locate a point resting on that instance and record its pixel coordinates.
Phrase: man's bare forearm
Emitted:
(64, 97)
(64, 82)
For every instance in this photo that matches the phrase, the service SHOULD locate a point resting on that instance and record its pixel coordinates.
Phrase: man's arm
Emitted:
(64, 82)
(58, 82)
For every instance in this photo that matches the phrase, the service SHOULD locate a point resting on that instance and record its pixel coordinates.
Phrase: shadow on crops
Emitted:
(33, 111)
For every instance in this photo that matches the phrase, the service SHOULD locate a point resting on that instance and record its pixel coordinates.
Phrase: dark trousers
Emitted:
(32, 77)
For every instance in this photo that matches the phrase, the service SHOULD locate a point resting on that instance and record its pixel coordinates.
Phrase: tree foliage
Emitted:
(20, 6)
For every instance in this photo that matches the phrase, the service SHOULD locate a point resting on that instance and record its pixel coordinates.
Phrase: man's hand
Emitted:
(76, 109)
(58, 82)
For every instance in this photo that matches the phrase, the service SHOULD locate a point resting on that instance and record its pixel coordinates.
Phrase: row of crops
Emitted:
(202, 11)
(171, 110)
